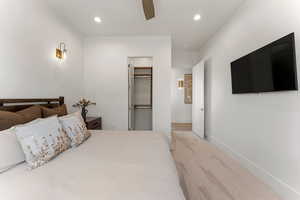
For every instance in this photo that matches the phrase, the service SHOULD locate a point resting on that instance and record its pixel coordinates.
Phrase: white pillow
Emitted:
(11, 152)
(75, 127)
(42, 140)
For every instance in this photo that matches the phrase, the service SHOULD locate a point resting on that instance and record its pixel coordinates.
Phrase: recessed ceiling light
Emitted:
(197, 17)
(97, 20)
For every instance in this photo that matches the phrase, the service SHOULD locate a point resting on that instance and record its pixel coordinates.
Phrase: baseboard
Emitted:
(283, 189)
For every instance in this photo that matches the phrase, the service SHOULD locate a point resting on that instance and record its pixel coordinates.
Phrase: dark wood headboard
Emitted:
(14, 105)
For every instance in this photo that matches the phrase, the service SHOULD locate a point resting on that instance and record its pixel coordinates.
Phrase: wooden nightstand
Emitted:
(94, 123)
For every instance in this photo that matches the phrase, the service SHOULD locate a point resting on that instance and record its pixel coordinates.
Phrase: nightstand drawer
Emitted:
(94, 123)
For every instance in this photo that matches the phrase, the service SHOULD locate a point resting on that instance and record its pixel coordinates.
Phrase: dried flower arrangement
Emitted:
(83, 104)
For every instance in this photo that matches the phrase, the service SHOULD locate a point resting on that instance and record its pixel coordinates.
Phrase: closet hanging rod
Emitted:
(143, 108)
(142, 68)
(142, 74)
(145, 77)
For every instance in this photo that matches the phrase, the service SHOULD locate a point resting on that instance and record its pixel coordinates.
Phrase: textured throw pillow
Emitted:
(42, 140)
(31, 113)
(59, 111)
(10, 119)
(75, 127)
(11, 152)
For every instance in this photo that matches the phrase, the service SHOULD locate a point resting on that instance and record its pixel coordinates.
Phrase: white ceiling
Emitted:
(125, 17)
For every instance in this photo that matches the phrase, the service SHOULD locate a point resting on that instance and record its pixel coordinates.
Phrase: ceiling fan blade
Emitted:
(149, 9)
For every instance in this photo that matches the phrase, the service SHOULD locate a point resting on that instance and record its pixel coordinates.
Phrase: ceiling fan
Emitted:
(149, 9)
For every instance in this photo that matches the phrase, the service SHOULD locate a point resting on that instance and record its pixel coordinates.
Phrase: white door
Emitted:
(198, 100)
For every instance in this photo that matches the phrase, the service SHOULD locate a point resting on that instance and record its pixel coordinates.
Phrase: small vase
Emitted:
(84, 111)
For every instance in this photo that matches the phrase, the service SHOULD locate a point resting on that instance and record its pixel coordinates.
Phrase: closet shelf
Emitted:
(143, 107)
(143, 76)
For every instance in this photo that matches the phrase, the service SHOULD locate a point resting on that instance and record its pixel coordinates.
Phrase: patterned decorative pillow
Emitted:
(42, 140)
(75, 127)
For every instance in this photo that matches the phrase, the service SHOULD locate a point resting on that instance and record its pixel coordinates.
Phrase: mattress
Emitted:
(108, 166)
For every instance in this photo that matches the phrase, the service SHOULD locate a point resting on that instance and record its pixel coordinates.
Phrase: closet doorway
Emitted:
(140, 90)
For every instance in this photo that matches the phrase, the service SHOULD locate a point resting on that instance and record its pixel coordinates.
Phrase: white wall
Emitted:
(263, 130)
(29, 36)
(184, 59)
(182, 63)
(106, 78)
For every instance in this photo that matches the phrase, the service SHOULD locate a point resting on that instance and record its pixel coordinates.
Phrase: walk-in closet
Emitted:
(140, 76)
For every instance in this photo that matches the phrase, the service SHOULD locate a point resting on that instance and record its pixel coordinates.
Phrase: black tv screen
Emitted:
(271, 68)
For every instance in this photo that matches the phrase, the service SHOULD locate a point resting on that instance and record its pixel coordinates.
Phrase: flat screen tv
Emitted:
(271, 68)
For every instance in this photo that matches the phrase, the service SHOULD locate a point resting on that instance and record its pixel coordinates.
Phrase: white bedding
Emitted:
(108, 166)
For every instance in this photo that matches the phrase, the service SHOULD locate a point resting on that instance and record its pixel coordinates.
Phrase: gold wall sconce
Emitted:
(180, 84)
(61, 51)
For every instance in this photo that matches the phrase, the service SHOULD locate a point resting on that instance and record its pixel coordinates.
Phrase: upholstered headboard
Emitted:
(15, 105)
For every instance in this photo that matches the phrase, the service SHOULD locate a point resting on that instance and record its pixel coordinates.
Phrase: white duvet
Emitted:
(109, 166)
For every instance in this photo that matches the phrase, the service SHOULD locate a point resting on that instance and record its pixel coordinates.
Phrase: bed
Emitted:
(108, 166)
